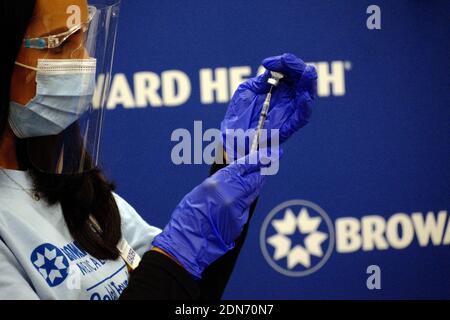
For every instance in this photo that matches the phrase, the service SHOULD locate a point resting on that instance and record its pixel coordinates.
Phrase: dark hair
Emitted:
(14, 18)
(80, 195)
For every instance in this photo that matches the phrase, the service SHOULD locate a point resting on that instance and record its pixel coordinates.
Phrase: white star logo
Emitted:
(306, 225)
(299, 237)
(49, 264)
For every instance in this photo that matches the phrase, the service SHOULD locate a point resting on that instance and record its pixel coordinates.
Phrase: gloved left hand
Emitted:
(208, 220)
(290, 106)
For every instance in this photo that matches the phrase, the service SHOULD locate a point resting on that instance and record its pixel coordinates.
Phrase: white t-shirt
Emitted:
(38, 256)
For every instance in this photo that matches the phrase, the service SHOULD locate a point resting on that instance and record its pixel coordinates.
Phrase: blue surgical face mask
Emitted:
(64, 90)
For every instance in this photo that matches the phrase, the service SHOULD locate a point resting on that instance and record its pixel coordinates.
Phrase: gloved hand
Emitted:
(290, 106)
(208, 220)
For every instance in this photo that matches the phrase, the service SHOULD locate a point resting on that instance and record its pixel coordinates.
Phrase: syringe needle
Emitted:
(265, 109)
(262, 118)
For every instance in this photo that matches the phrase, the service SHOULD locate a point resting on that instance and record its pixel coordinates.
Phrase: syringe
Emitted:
(274, 79)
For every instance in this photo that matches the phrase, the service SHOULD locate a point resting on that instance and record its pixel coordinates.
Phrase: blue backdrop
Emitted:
(375, 156)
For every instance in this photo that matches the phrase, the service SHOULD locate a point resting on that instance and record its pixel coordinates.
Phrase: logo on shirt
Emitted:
(51, 263)
(297, 238)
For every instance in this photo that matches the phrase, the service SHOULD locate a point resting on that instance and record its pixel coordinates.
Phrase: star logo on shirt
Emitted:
(297, 238)
(51, 263)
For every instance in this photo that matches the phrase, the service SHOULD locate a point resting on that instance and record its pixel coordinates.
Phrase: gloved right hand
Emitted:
(205, 224)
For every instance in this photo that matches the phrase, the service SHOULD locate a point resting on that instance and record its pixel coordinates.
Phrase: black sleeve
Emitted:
(159, 277)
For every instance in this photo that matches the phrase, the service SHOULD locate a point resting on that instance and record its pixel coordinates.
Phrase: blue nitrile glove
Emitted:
(208, 220)
(290, 106)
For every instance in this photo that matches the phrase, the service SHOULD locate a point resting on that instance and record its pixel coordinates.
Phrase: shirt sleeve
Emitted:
(138, 233)
(13, 283)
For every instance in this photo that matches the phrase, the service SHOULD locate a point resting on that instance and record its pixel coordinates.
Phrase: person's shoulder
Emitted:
(127, 212)
(123, 205)
(120, 200)
(135, 229)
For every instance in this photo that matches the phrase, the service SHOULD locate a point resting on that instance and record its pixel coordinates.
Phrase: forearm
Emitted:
(161, 276)
(215, 278)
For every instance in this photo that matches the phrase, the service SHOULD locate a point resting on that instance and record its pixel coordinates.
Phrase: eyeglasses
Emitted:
(56, 40)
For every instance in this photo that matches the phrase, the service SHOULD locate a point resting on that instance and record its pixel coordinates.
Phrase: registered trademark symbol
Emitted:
(348, 65)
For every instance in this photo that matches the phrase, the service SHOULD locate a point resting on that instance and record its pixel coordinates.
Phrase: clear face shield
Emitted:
(61, 83)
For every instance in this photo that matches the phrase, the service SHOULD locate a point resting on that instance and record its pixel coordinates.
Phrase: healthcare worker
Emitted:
(64, 233)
